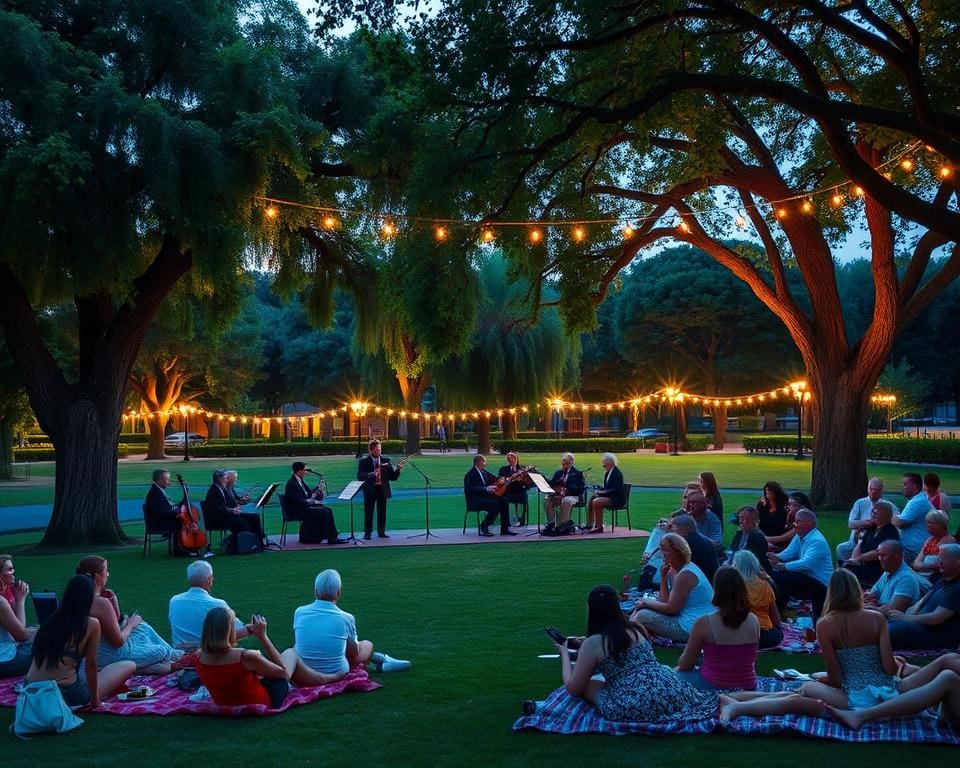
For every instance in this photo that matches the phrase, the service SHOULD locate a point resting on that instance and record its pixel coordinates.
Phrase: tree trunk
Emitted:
(839, 439)
(157, 427)
(413, 435)
(6, 449)
(85, 496)
(719, 426)
(483, 434)
(509, 426)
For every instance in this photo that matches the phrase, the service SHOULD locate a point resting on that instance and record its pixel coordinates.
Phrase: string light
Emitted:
(440, 233)
(781, 213)
(683, 226)
(944, 172)
(806, 206)
(536, 236)
(271, 211)
(329, 222)
(837, 200)
(488, 235)
(858, 190)
(388, 229)
(579, 234)
(741, 221)
(628, 231)
(907, 164)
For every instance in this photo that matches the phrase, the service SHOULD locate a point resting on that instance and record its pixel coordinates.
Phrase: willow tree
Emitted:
(517, 355)
(682, 117)
(134, 137)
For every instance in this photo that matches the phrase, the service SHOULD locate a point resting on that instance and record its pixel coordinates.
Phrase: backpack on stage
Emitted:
(241, 543)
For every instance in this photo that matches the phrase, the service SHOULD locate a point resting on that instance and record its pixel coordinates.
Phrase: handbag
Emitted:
(41, 709)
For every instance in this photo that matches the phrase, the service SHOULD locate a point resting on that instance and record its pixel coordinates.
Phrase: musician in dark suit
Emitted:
(568, 482)
(161, 513)
(610, 494)
(376, 471)
(517, 484)
(478, 487)
(222, 509)
(302, 503)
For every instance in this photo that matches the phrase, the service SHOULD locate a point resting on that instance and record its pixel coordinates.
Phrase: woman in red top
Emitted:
(237, 676)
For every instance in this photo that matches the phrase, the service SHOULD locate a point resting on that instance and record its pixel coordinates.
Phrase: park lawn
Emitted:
(446, 471)
(470, 618)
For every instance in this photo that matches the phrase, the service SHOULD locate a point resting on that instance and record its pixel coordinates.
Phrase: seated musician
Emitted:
(161, 513)
(223, 509)
(303, 503)
(568, 482)
(517, 483)
(610, 494)
(479, 487)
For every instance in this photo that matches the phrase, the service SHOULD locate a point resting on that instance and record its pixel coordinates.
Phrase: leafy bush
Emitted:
(575, 445)
(697, 442)
(263, 448)
(784, 443)
(49, 454)
(924, 450)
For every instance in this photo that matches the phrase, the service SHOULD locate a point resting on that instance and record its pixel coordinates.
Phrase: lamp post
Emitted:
(184, 411)
(800, 392)
(359, 409)
(886, 402)
(675, 396)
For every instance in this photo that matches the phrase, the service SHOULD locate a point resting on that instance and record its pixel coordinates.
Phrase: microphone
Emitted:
(314, 473)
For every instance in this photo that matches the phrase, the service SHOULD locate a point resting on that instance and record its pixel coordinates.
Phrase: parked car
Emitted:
(648, 434)
(175, 439)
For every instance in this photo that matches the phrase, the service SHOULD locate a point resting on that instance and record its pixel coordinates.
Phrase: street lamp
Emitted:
(359, 410)
(186, 434)
(675, 396)
(801, 393)
(886, 402)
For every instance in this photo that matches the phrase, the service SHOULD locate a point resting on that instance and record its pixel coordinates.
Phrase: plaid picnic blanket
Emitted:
(562, 713)
(170, 700)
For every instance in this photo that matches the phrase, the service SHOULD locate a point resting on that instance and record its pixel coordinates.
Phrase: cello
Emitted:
(192, 537)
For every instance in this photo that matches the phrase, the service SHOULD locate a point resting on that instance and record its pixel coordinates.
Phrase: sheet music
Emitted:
(265, 496)
(351, 490)
(540, 482)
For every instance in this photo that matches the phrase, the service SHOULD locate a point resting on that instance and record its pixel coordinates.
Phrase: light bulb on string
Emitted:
(536, 236)
(628, 231)
(329, 222)
(907, 164)
(740, 221)
(440, 233)
(488, 235)
(837, 200)
(858, 190)
(781, 213)
(944, 172)
(388, 229)
(807, 206)
(683, 226)
(271, 211)
(579, 234)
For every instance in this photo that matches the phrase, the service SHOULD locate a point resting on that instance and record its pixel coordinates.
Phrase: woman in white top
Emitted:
(681, 602)
(16, 640)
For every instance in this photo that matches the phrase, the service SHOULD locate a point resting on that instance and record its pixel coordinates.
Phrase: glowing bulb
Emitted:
(579, 234)
(837, 200)
(536, 236)
(488, 235)
(740, 221)
(271, 211)
(388, 229)
(858, 190)
(781, 213)
(806, 206)
(944, 172)
(440, 233)
(628, 231)
(907, 164)
(329, 222)
(684, 227)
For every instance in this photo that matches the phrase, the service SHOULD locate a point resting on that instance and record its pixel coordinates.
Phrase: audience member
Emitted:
(750, 537)
(860, 520)
(796, 500)
(772, 509)
(803, 569)
(727, 637)
(16, 638)
(326, 636)
(927, 562)
(703, 552)
(912, 519)
(761, 597)
(939, 499)
(707, 522)
(898, 587)
(934, 621)
(678, 605)
(708, 484)
(864, 562)
(188, 609)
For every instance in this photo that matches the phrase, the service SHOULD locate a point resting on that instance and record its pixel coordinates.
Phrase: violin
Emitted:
(192, 537)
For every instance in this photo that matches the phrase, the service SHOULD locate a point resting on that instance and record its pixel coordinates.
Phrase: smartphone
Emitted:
(556, 636)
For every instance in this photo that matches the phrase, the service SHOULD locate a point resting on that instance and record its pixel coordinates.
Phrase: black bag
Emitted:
(188, 680)
(647, 576)
(241, 543)
(311, 531)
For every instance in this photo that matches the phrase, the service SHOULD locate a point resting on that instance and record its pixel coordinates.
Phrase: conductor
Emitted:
(376, 471)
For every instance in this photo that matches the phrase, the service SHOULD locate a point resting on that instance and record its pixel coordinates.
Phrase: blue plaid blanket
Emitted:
(562, 713)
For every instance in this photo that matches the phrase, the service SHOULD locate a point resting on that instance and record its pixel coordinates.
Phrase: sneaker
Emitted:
(391, 664)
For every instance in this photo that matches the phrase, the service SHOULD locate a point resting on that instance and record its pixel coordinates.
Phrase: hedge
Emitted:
(262, 448)
(49, 454)
(924, 450)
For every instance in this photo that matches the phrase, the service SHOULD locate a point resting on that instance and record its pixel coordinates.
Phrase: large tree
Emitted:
(681, 116)
(133, 139)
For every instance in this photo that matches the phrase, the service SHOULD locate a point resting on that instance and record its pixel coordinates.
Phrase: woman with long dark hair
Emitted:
(728, 638)
(711, 492)
(636, 687)
(65, 650)
(772, 509)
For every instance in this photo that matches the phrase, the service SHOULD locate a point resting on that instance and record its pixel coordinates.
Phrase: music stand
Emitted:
(426, 490)
(347, 494)
(542, 486)
(261, 503)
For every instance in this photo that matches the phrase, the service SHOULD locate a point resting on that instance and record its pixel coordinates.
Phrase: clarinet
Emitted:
(321, 488)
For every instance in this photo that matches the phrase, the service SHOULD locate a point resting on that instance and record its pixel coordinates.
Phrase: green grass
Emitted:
(470, 618)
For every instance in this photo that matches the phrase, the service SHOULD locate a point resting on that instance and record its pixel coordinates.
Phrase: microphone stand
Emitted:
(426, 491)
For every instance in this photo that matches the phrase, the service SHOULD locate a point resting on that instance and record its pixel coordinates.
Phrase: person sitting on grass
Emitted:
(750, 537)
(899, 587)
(796, 500)
(636, 687)
(934, 621)
(16, 638)
(728, 638)
(188, 609)
(703, 552)
(864, 561)
(803, 569)
(681, 603)
(927, 562)
(65, 650)
(326, 636)
(761, 597)
(238, 676)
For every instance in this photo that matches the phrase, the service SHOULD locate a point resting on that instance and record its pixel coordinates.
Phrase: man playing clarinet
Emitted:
(376, 471)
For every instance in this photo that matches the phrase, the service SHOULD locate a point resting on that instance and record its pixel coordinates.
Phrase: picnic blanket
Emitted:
(170, 700)
(562, 713)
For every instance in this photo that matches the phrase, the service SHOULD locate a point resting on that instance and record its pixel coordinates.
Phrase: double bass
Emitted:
(192, 537)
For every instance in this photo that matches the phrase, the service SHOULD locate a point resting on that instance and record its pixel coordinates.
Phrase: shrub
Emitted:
(263, 448)
(49, 454)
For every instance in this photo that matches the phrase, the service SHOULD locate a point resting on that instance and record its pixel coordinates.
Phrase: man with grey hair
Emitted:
(612, 494)
(899, 586)
(568, 484)
(703, 552)
(859, 521)
(222, 508)
(803, 569)
(325, 637)
(864, 562)
(933, 622)
(188, 609)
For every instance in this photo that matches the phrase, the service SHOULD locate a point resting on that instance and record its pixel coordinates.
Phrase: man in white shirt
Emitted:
(803, 569)
(189, 609)
(912, 521)
(860, 518)
(326, 636)
(899, 587)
